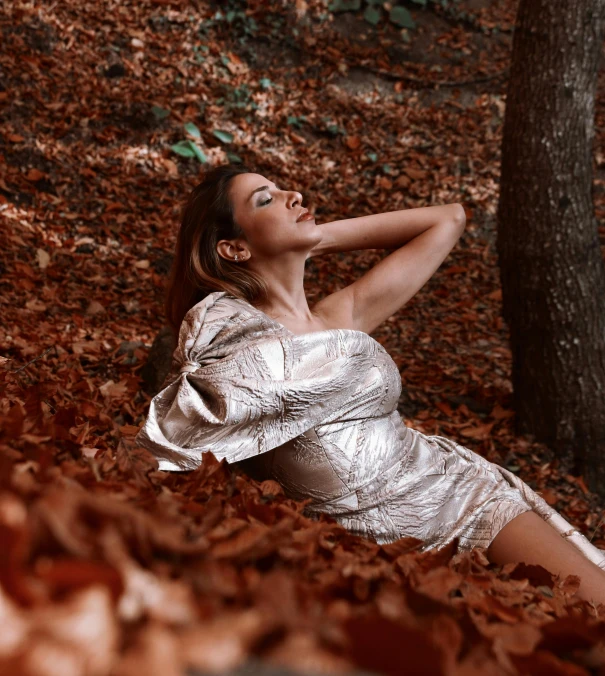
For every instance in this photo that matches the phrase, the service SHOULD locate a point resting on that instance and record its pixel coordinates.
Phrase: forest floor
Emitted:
(109, 566)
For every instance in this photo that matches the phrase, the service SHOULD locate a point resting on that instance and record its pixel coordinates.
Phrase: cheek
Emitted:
(271, 226)
(273, 235)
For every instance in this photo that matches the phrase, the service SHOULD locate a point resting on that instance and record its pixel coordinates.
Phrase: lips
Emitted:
(304, 215)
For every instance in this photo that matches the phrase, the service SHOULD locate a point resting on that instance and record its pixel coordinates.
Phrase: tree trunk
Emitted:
(552, 272)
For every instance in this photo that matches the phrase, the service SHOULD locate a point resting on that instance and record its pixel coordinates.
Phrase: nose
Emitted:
(296, 196)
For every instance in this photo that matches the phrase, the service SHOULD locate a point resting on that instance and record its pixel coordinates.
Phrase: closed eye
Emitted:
(270, 199)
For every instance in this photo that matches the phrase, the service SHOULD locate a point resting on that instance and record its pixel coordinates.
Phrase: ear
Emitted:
(227, 248)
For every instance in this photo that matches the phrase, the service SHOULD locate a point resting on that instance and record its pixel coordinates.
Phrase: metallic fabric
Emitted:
(318, 413)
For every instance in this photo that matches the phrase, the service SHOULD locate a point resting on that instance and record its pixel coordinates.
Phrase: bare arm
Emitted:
(388, 230)
(387, 287)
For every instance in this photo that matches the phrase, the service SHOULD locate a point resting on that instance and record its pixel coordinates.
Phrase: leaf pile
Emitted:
(143, 570)
(109, 566)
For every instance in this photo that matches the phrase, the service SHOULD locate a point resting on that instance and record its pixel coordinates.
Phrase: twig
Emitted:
(36, 359)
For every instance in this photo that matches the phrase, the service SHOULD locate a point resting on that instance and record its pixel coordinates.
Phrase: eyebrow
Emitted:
(263, 187)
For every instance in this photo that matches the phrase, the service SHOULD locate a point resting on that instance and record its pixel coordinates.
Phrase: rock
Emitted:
(129, 346)
(95, 308)
(115, 70)
(158, 362)
(86, 248)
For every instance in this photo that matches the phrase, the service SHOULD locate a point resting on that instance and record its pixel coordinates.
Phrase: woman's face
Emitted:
(267, 215)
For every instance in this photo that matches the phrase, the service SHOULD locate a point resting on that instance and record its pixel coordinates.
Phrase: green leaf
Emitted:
(372, 157)
(198, 153)
(159, 113)
(420, 2)
(372, 15)
(183, 148)
(192, 129)
(295, 121)
(223, 136)
(251, 26)
(265, 83)
(402, 17)
(232, 157)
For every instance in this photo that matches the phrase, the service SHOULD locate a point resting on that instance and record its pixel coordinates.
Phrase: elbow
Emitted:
(459, 216)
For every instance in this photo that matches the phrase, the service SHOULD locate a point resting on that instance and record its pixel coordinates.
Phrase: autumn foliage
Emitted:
(109, 567)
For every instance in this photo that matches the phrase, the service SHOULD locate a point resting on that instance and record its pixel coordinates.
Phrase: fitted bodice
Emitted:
(338, 456)
(382, 374)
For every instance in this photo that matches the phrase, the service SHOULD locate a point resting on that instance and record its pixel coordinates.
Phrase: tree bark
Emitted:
(551, 269)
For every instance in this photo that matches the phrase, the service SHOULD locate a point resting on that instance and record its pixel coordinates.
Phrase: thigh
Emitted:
(528, 538)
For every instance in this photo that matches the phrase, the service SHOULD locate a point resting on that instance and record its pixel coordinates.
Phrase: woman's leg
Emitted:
(530, 539)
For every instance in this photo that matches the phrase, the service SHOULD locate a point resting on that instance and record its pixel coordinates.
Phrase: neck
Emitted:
(286, 293)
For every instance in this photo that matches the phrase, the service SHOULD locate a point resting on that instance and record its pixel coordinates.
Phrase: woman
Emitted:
(305, 396)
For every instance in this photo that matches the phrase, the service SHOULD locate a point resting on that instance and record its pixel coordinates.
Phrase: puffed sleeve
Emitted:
(240, 387)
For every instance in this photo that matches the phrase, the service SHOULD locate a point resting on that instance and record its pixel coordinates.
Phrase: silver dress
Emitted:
(318, 413)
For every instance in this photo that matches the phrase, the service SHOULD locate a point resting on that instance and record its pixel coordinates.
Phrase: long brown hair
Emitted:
(197, 268)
